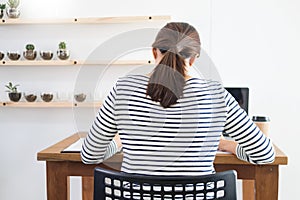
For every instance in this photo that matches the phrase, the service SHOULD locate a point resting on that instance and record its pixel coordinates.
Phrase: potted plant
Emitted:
(2, 8)
(12, 11)
(47, 97)
(30, 96)
(80, 97)
(46, 55)
(30, 53)
(62, 51)
(13, 55)
(13, 93)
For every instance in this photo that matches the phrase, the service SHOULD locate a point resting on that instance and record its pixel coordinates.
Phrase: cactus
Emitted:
(30, 47)
(62, 45)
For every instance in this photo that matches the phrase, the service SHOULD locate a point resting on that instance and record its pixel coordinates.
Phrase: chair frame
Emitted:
(107, 180)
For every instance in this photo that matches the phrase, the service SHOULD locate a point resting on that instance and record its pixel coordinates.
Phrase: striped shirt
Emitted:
(181, 139)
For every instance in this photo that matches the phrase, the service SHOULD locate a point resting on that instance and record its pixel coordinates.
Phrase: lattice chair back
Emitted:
(113, 185)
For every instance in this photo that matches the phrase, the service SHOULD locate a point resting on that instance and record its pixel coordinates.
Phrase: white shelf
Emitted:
(118, 62)
(50, 104)
(36, 62)
(95, 20)
(72, 62)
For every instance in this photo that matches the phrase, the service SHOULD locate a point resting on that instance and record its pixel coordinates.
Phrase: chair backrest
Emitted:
(112, 185)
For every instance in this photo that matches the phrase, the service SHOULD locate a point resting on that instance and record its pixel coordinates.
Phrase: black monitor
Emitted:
(241, 95)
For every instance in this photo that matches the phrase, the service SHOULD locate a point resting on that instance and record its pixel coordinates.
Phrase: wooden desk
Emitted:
(60, 166)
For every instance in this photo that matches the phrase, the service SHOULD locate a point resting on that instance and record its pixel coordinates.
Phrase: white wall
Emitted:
(252, 43)
(255, 43)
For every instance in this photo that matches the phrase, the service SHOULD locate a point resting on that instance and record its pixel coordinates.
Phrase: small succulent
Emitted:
(62, 45)
(2, 6)
(13, 3)
(12, 88)
(30, 47)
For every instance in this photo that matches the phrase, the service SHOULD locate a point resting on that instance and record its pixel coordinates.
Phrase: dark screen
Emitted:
(241, 95)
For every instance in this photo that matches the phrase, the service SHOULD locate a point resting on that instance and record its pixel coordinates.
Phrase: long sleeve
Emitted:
(253, 145)
(99, 144)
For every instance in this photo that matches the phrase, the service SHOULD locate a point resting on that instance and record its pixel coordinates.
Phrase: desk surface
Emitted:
(53, 153)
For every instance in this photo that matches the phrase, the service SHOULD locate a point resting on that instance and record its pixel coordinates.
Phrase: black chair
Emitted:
(112, 185)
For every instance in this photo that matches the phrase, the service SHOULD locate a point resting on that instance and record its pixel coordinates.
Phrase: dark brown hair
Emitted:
(176, 41)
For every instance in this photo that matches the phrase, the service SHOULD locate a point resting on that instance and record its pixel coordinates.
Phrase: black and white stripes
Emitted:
(253, 146)
(182, 139)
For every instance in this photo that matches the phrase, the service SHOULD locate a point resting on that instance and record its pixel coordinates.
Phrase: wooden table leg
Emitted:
(266, 182)
(58, 182)
(87, 187)
(248, 190)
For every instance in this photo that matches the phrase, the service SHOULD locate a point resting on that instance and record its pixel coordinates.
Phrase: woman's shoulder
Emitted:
(195, 81)
(133, 78)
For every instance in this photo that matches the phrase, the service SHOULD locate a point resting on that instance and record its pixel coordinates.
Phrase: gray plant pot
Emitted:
(46, 55)
(47, 97)
(29, 54)
(15, 96)
(30, 97)
(80, 97)
(13, 55)
(63, 54)
(13, 12)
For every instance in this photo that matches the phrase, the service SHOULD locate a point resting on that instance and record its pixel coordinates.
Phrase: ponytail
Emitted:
(176, 41)
(168, 79)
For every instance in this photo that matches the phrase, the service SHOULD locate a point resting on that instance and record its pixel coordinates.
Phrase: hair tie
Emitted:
(174, 49)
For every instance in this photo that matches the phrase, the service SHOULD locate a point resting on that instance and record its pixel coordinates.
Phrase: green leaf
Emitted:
(11, 87)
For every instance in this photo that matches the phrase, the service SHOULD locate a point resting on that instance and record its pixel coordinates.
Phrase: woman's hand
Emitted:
(227, 145)
(118, 141)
